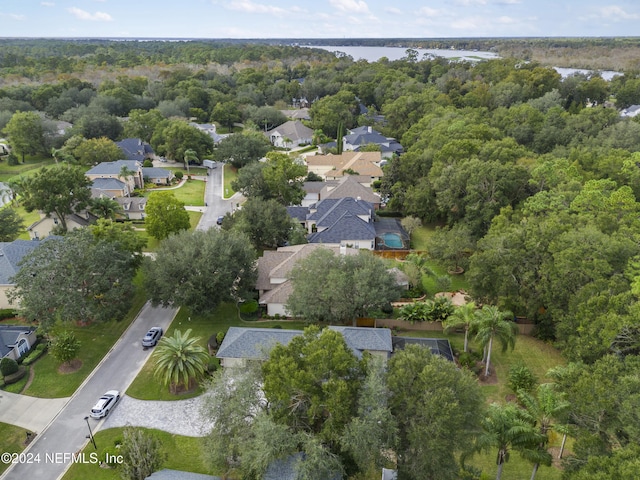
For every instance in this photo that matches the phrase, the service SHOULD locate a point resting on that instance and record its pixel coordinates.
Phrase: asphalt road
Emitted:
(49, 455)
(216, 205)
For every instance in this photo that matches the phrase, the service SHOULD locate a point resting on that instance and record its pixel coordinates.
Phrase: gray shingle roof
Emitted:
(10, 255)
(294, 130)
(253, 343)
(328, 211)
(348, 186)
(167, 474)
(108, 184)
(114, 168)
(299, 213)
(135, 149)
(9, 336)
(155, 172)
(359, 339)
(347, 227)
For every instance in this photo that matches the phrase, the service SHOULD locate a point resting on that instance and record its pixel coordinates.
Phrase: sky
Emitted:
(318, 18)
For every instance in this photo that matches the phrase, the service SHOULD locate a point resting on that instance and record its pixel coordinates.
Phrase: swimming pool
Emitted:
(392, 240)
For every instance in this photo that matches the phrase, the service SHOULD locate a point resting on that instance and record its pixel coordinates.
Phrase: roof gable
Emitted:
(348, 186)
(293, 130)
(360, 339)
(135, 149)
(11, 253)
(114, 168)
(347, 227)
(9, 335)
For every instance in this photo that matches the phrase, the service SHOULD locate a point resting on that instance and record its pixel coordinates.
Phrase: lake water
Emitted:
(373, 54)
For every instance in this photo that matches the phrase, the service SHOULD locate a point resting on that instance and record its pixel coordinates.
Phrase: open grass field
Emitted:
(31, 166)
(181, 453)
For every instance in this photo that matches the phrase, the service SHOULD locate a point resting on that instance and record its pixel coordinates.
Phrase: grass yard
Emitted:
(146, 387)
(539, 357)
(229, 174)
(95, 341)
(12, 438)
(31, 166)
(181, 453)
(190, 193)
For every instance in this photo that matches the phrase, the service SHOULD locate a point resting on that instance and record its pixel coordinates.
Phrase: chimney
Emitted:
(369, 129)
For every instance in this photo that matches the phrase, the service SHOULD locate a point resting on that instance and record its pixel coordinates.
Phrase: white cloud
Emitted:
(616, 12)
(13, 16)
(504, 20)
(355, 6)
(248, 6)
(508, 2)
(429, 12)
(469, 3)
(47, 4)
(84, 15)
(393, 10)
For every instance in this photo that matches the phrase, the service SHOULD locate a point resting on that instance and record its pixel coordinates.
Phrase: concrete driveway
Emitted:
(27, 412)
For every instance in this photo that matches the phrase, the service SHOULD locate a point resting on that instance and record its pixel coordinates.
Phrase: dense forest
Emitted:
(534, 178)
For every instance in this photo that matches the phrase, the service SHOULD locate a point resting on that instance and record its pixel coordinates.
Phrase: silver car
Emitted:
(152, 337)
(104, 405)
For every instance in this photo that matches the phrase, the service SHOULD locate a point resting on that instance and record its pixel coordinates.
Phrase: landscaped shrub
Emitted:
(220, 337)
(35, 354)
(213, 365)
(249, 307)
(8, 366)
(147, 163)
(7, 313)
(521, 378)
(14, 377)
(179, 175)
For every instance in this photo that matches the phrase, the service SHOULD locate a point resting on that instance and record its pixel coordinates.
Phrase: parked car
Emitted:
(105, 404)
(152, 337)
(220, 220)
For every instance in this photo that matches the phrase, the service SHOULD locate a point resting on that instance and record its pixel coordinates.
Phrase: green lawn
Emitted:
(11, 441)
(95, 340)
(31, 166)
(190, 193)
(181, 453)
(230, 174)
(146, 387)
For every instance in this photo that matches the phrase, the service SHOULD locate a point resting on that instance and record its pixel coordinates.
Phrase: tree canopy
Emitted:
(165, 215)
(201, 269)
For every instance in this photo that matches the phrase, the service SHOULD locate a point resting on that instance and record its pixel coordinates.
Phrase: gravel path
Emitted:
(181, 417)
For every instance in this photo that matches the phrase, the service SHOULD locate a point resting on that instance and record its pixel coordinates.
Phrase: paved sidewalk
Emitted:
(180, 417)
(29, 412)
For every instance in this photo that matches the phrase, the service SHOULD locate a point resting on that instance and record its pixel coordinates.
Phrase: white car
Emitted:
(152, 336)
(105, 404)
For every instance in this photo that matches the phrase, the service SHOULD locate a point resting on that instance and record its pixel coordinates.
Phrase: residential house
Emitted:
(110, 187)
(376, 341)
(11, 253)
(116, 170)
(159, 176)
(241, 344)
(135, 149)
(290, 134)
(363, 136)
(273, 283)
(16, 341)
(325, 213)
(47, 224)
(630, 111)
(333, 167)
(132, 207)
(211, 130)
(355, 186)
(348, 230)
(297, 114)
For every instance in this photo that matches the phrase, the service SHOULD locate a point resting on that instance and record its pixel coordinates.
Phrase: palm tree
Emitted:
(415, 266)
(507, 427)
(492, 323)
(180, 360)
(104, 207)
(545, 408)
(189, 155)
(463, 316)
